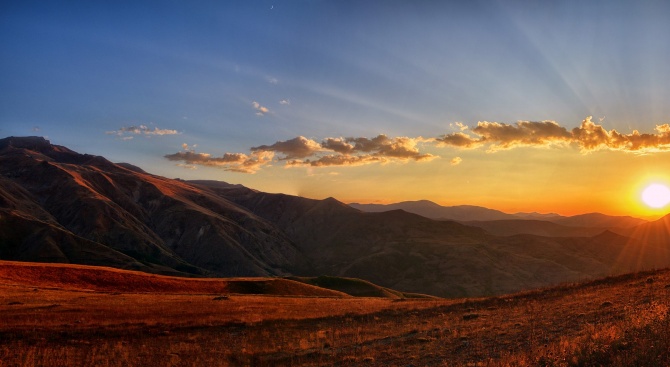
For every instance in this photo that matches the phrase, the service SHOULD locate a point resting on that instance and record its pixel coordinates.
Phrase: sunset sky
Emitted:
(514, 105)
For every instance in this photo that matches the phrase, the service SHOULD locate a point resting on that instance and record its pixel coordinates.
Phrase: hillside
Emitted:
(616, 321)
(57, 205)
(102, 279)
(61, 206)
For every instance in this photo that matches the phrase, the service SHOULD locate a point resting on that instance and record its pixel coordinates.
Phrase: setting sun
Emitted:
(656, 195)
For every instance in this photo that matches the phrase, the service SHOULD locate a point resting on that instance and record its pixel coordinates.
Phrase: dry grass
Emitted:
(622, 321)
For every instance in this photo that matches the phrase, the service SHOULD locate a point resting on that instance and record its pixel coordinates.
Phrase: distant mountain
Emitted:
(411, 253)
(536, 227)
(57, 205)
(537, 216)
(429, 209)
(476, 215)
(657, 232)
(599, 220)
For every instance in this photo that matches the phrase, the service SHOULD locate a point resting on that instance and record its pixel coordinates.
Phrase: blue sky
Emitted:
(226, 76)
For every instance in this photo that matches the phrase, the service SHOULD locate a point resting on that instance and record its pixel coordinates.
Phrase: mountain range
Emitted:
(57, 205)
(471, 213)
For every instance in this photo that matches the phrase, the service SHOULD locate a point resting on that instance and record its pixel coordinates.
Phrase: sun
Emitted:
(656, 195)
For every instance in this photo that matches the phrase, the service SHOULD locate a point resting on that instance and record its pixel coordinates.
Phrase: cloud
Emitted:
(359, 151)
(187, 166)
(381, 145)
(302, 151)
(299, 147)
(126, 132)
(356, 151)
(338, 160)
(338, 145)
(272, 80)
(458, 125)
(285, 102)
(234, 162)
(260, 110)
(588, 137)
(505, 136)
(35, 129)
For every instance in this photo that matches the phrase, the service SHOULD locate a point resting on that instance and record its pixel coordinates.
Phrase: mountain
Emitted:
(599, 220)
(549, 224)
(429, 209)
(537, 216)
(57, 205)
(60, 206)
(411, 253)
(546, 228)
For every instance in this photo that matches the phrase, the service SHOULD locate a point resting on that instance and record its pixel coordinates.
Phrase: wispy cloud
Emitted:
(588, 137)
(456, 161)
(127, 132)
(285, 102)
(272, 80)
(260, 110)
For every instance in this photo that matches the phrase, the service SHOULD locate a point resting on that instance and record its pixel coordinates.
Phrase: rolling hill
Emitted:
(61, 314)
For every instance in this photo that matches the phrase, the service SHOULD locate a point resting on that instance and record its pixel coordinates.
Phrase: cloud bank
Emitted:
(302, 151)
(587, 137)
(490, 136)
(234, 162)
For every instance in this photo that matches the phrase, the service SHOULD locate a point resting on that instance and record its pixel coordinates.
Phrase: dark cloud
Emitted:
(338, 145)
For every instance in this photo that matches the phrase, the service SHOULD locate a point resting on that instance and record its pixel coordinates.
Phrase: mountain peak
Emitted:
(36, 143)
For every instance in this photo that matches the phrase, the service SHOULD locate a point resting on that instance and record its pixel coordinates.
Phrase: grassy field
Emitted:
(48, 320)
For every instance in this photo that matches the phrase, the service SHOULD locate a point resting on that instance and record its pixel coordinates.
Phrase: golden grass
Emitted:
(621, 321)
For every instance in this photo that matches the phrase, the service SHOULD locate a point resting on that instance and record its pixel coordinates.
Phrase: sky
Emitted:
(520, 106)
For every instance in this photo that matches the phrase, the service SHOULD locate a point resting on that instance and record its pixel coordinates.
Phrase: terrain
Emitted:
(57, 205)
(52, 318)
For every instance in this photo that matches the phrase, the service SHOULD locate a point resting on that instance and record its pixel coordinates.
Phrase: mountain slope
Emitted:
(167, 225)
(429, 209)
(546, 228)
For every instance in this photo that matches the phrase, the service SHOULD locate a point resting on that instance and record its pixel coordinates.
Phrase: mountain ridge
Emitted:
(60, 206)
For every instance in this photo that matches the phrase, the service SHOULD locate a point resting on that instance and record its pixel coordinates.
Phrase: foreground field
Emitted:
(49, 322)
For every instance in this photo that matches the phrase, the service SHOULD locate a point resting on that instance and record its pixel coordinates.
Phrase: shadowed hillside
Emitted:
(61, 206)
(410, 253)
